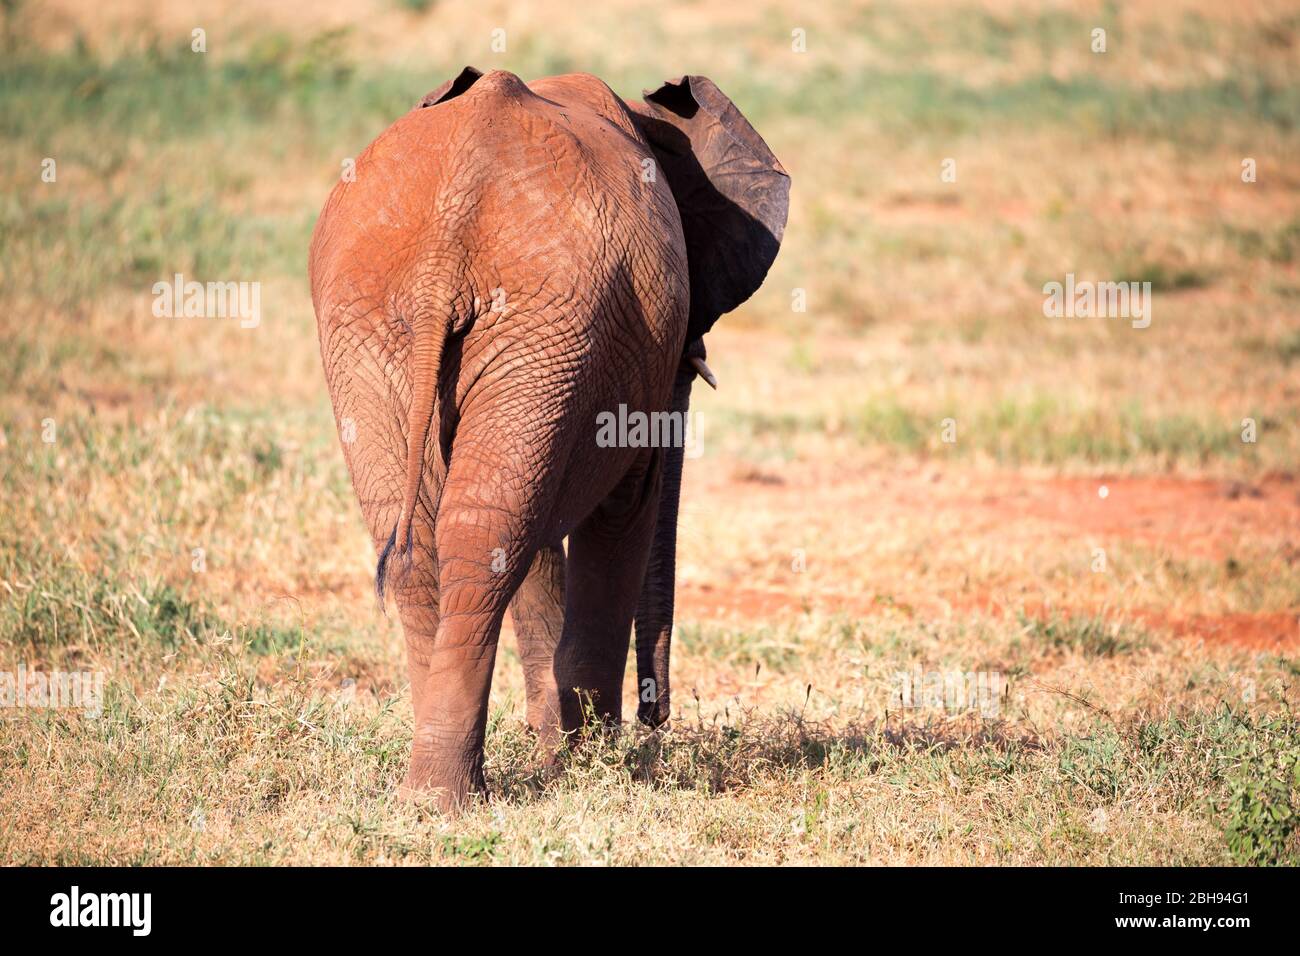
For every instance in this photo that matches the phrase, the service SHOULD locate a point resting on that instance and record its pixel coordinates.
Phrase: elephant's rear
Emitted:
(497, 265)
(502, 267)
(507, 208)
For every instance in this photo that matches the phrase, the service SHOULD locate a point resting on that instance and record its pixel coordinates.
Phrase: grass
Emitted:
(261, 760)
(1090, 636)
(177, 516)
(1035, 429)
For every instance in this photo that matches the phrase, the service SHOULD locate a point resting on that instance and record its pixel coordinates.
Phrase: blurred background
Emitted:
(176, 512)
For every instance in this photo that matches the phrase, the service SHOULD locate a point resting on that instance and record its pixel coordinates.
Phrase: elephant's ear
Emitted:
(451, 89)
(732, 193)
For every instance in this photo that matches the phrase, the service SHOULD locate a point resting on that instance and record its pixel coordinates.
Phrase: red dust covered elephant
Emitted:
(510, 262)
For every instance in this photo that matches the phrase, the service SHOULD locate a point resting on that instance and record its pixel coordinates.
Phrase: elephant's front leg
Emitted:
(603, 577)
(537, 612)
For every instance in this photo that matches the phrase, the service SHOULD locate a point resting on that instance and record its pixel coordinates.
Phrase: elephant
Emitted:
(505, 263)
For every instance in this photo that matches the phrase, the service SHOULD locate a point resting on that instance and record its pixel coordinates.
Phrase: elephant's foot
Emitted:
(548, 748)
(543, 706)
(596, 701)
(654, 713)
(450, 784)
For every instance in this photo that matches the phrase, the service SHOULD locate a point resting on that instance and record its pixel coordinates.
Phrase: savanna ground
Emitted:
(257, 709)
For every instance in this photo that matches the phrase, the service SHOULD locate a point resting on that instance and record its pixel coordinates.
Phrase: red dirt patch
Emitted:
(989, 516)
(850, 509)
(1266, 632)
(1277, 632)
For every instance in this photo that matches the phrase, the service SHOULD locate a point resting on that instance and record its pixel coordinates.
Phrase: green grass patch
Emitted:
(1089, 635)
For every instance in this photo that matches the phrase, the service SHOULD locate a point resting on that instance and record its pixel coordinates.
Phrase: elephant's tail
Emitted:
(430, 339)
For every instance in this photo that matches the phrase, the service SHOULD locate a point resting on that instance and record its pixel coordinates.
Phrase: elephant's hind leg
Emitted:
(537, 612)
(606, 566)
(485, 543)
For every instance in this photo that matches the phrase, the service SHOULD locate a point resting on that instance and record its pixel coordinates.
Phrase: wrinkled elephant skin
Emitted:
(507, 263)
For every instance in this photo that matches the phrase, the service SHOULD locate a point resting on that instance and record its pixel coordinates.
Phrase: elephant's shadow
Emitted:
(734, 754)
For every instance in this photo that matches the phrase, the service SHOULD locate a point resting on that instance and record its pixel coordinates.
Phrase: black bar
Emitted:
(333, 906)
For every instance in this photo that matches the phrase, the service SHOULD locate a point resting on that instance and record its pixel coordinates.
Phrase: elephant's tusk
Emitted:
(705, 372)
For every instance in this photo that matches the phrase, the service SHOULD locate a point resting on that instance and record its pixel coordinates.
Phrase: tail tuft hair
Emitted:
(381, 569)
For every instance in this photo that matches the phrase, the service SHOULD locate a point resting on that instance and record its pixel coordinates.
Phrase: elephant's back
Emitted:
(554, 194)
(538, 214)
(504, 173)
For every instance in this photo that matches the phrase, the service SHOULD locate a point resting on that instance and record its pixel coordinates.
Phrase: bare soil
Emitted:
(1181, 518)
